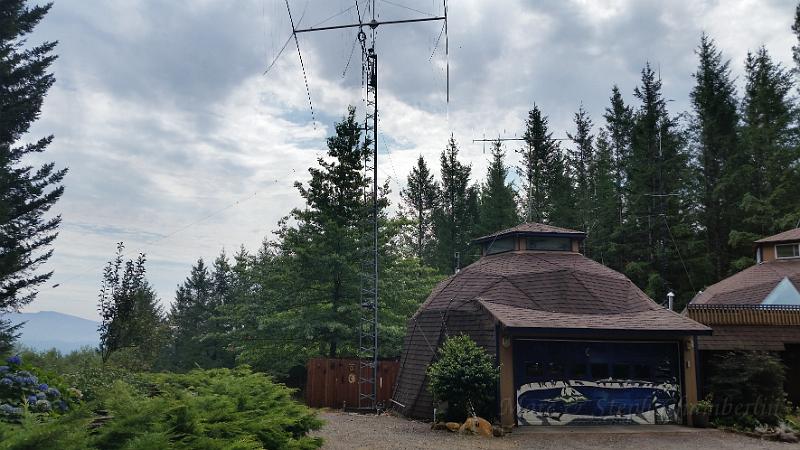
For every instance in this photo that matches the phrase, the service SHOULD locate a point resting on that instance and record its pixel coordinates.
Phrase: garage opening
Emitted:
(596, 382)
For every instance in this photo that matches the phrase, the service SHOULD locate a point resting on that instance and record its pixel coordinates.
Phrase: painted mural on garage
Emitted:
(582, 382)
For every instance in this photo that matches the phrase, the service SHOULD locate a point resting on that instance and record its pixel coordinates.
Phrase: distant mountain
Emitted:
(49, 329)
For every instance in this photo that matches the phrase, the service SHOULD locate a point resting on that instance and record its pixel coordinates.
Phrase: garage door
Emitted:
(585, 383)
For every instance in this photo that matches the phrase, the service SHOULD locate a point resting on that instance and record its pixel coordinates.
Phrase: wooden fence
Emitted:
(333, 382)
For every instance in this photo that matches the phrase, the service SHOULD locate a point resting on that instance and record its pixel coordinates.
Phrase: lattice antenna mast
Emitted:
(368, 324)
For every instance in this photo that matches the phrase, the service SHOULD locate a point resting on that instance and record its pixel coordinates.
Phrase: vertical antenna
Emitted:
(368, 320)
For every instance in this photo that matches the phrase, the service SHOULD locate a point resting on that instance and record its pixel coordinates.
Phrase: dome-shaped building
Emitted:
(575, 341)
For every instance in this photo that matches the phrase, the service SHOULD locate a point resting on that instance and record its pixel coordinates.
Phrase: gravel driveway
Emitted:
(354, 431)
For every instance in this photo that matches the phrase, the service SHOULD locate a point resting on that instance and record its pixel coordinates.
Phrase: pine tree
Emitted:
(603, 244)
(547, 191)
(715, 133)
(189, 318)
(328, 243)
(456, 213)
(498, 207)
(767, 166)
(618, 132)
(26, 193)
(796, 31)
(420, 198)
(582, 162)
(659, 199)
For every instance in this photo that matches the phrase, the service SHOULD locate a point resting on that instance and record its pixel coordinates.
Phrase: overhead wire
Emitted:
(408, 8)
(302, 65)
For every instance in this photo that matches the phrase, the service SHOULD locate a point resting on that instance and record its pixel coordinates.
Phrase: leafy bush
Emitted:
(747, 388)
(464, 377)
(214, 409)
(208, 409)
(23, 390)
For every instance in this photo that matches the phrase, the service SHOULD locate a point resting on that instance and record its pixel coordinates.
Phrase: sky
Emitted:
(181, 147)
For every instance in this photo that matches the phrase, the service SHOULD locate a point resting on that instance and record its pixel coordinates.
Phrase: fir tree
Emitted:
(582, 162)
(189, 318)
(715, 133)
(618, 131)
(26, 193)
(498, 204)
(603, 244)
(547, 193)
(420, 198)
(767, 166)
(330, 240)
(659, 200)
(796, 31)
(456, 213)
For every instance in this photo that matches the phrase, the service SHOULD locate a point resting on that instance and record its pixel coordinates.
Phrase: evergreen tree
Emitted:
(26, 193)
(715, 133)
(420, 198)
(618, 131)
(659, 200)
(498, 207)
(132, 320)
(767, 165)
(582, 162)
(547, 191)
(796, 31)
(456, 213)
(189, 318)
(603, 244)
(327, 242)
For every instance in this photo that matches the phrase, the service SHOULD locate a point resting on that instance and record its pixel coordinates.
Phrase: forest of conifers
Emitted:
(673, 201)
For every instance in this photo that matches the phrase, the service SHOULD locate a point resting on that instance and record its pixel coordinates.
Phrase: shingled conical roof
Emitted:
(546, 293)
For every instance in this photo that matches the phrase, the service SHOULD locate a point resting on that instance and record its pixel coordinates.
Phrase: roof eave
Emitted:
(480, 240)
(605, 332)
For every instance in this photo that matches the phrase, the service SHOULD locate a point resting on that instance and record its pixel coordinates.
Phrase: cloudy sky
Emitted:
(180, 146)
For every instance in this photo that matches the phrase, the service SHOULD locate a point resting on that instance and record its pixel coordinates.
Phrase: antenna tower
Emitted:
(368, 323)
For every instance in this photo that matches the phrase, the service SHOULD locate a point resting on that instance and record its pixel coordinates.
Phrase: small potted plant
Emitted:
(701, 411)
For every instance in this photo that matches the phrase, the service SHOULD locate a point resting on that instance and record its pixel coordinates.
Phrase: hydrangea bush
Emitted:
(21, 392)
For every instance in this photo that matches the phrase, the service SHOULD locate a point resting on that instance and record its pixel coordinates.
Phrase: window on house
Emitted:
(499, 246)
(788, 251)
(549, 243)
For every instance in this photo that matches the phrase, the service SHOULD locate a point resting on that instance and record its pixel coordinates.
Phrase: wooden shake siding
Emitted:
(426, 332)
(775, 315)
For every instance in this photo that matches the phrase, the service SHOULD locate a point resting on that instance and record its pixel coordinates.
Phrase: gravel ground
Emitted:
(354, 431)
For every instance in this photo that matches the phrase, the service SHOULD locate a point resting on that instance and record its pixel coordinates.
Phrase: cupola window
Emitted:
(499, 246)
(550, 243)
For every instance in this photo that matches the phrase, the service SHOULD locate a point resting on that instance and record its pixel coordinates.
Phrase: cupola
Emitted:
(531, 237)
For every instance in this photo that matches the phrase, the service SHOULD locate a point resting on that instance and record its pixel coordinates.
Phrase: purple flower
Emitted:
(40, 396)
(42, 387)
(14, 360)
(4, 369)
(53, 392)
(32, 400)
(6, 382)
(62, 406)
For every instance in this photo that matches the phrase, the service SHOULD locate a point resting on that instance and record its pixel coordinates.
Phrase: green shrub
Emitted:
(747, 388)
(207, 409)
(465, 377)
(26, 390)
